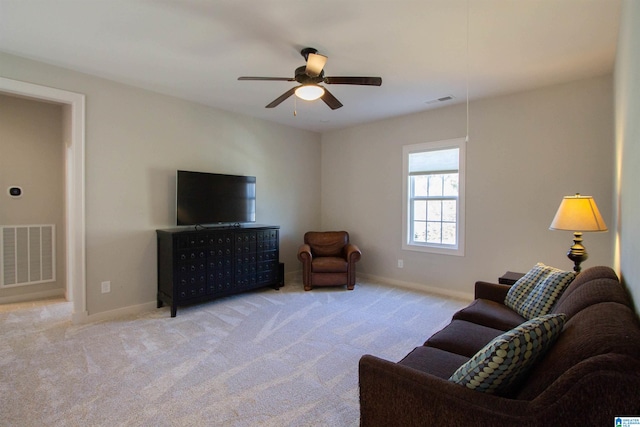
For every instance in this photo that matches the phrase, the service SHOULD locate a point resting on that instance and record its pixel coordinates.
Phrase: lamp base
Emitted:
(577, 253)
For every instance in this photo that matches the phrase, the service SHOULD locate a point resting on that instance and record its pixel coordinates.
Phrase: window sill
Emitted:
(433, 249)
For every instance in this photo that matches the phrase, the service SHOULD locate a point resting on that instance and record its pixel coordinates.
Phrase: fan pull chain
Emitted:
(295, 103)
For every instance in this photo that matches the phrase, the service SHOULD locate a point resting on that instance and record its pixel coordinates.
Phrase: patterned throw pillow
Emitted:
(508, 357)
(519, 291)
(545, 294)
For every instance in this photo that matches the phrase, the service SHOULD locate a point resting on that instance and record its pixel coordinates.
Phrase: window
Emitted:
(433, 214)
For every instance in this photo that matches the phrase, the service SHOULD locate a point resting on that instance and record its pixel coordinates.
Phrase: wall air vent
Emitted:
(28, 254)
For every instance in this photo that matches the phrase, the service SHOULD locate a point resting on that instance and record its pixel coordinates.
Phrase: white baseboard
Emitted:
(79, 318)
(420, 287)
(54, 293)
(119, 312)
(290, 276)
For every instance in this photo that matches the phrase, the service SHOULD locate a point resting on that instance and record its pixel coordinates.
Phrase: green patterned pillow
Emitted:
(519, 291)
(508, 357)
(545, 294)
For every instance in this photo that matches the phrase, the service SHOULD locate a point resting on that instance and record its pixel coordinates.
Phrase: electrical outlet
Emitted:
(106, 287)
(400, 263)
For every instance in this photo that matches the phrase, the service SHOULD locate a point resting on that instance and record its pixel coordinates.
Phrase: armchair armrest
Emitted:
(304, 253)
(352, 253)
(491, 291)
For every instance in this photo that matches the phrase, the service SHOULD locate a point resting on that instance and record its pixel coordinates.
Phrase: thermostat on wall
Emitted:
(15, 191)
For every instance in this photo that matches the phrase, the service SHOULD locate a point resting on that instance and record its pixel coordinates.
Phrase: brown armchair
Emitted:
(328, 259)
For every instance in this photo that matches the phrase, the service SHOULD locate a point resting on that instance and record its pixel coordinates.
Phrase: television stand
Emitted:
(198, 265)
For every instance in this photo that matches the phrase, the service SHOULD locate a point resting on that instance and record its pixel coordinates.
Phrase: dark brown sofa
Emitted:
(589, 376)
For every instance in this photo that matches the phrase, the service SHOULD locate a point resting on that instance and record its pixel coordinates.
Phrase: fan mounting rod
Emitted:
(306, 51)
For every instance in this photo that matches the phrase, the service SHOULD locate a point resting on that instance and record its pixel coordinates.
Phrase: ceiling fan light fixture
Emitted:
(309, 75)
(309, 92)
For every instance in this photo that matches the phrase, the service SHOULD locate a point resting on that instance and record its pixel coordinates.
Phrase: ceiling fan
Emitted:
(309, 76)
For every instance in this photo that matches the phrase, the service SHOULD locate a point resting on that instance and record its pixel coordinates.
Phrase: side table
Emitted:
(509, 278)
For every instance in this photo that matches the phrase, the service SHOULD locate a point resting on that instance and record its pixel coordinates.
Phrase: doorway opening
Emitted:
(74, 140)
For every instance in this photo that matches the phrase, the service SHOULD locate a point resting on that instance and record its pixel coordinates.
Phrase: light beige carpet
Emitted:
(264, 358)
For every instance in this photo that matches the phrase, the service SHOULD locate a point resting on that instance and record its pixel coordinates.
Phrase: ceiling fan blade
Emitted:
(279, 79)
(369, 81)
(331, 100)
(315, 64)
(282, 97)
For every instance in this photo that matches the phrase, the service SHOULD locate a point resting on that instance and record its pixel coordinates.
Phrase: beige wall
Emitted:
(32, 157)
(135, 141)
(525, 152)
(627, 102)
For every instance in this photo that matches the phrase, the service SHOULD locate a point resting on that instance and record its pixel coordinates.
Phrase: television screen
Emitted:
(211, 198)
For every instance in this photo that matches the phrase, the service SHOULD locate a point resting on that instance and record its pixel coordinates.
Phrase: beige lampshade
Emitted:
(578, 213)
(309, 92)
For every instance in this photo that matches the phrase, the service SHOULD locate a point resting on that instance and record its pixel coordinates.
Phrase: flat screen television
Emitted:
(211, 198)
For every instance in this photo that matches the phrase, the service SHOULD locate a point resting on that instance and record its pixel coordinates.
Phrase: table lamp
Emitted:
(578, 213)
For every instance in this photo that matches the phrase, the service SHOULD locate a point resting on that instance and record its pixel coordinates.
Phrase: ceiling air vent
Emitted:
(443, 99)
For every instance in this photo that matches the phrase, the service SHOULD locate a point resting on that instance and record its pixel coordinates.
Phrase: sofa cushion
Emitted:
(591, 273)
(504, 361)
(433, 361)
(519, 291)
(604, 328)
(590, 293)
(462, 337)
(592, 286)
(544, 295)
(491, 314)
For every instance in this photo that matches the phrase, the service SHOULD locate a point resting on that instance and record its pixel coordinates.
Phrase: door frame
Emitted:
(74, 141)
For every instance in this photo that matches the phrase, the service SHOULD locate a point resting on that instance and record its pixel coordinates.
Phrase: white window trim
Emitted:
(425, 146)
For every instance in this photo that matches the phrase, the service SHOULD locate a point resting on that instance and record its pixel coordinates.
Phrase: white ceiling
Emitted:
(422, 49)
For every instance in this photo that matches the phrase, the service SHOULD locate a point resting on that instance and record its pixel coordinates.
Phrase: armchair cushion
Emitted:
(329, 264)
(327, 243)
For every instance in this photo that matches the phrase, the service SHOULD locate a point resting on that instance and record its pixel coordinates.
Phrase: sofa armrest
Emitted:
(395, 395)
(592, 392)
(491, 291)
